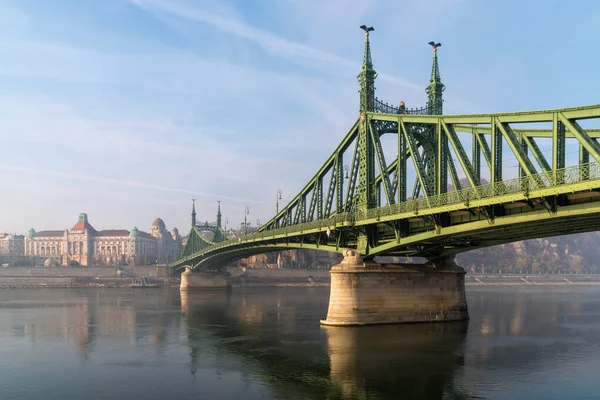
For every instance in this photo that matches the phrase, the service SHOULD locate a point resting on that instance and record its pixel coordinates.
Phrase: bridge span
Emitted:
(454, 183)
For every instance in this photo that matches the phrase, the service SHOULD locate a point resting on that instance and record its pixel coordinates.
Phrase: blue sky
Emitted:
(126, 109)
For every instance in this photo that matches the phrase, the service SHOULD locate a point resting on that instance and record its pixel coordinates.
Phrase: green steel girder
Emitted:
(589, 144)
(558, 144)
(332, 189)
(516, 148)
(387, 186)
(339, 170)
(454, 174)
(401, 166)
(443, 158)
(539, 133)
(350, 199)
(476, 155)
(461, 154)
(574, 113)
(313, 202)
(485, 149)
(417, 160)
(496, 152)
(537, 153)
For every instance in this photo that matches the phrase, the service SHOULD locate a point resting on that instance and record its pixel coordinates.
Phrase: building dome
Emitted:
(134, 232)
(159, 223)
(30, 233)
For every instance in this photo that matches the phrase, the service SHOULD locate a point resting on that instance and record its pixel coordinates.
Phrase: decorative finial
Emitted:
(193, 212)
(435, 46)
(367, 29)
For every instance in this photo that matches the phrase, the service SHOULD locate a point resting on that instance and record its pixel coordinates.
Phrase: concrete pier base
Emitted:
(368, 293)
(191, 280)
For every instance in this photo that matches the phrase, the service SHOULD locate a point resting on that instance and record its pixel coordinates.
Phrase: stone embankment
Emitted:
(82, 277)
(264, 277)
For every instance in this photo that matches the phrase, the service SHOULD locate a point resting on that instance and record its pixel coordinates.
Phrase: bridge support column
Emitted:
(368, 293)
(191, 280)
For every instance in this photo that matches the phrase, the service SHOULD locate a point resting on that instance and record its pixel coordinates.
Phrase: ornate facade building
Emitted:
(11, 245)
(83, 245)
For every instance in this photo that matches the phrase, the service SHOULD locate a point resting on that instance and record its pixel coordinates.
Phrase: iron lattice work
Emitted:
(453, 183)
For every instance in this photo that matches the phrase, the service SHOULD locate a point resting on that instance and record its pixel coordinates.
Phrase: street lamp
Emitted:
(346, 168)
(226, 221)
(277, 198)
(246, 212)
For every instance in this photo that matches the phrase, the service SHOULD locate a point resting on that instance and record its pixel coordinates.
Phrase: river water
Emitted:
(521, 343)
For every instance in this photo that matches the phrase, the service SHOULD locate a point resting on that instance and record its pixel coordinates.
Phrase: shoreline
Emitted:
(268, 284)
(151, 277)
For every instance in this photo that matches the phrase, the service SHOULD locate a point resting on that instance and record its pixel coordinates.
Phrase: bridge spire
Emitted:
(367, 76)
(193, 212)
(436, 87)
(219, 214)
(366, 195)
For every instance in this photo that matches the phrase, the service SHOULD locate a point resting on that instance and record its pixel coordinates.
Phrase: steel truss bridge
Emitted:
(423, 184)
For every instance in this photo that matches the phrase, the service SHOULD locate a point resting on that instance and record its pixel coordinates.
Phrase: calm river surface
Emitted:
(521, 343)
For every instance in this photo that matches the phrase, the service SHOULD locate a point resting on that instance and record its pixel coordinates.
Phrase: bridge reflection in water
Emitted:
(275, 334)
(422, 356)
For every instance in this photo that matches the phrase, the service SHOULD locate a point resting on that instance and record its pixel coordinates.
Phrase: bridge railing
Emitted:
(385, 108)
(524, 184)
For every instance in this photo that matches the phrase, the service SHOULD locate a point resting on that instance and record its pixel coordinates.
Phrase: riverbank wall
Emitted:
(153, 276)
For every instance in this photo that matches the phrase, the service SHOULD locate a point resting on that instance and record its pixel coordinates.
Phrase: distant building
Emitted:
(83, 245)
(168, 244)
(11, 245)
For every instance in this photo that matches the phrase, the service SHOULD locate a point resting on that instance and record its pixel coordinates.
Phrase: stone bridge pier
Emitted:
(367, 293)
(191, 280)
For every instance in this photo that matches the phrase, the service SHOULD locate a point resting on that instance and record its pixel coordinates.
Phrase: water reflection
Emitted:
(84, 317)
(267, 343)
(276, 337)
(415, 360)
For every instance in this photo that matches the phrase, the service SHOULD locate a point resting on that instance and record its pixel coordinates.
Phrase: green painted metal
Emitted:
(436, 87)
(537, 153)
(375, 211)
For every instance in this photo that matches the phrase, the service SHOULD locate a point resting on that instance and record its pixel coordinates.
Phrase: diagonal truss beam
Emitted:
(461, 154)
(537, 153)
(417, 161)
(383, 170)
(592, 147)
(515, 146)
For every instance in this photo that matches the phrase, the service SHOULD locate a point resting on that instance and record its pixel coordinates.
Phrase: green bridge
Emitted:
(417, 182)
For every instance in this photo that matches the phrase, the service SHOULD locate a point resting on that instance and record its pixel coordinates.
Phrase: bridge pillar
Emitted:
(368, 293)
(191, 280)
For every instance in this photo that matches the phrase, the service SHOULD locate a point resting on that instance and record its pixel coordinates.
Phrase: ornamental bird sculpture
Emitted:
(367, 29)
(435, 45)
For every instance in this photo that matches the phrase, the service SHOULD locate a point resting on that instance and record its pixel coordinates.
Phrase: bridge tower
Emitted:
(193, 212)
(367, 292)
(219, 214)
(436, 87)
(366, 197)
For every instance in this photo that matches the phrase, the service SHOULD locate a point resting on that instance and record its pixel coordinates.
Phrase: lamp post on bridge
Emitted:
(346, 168)
(226, 221)
(277, 198)
(246, 212)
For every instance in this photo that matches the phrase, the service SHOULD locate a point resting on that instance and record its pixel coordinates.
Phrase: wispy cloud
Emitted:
(274, 44)
(120, 182)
